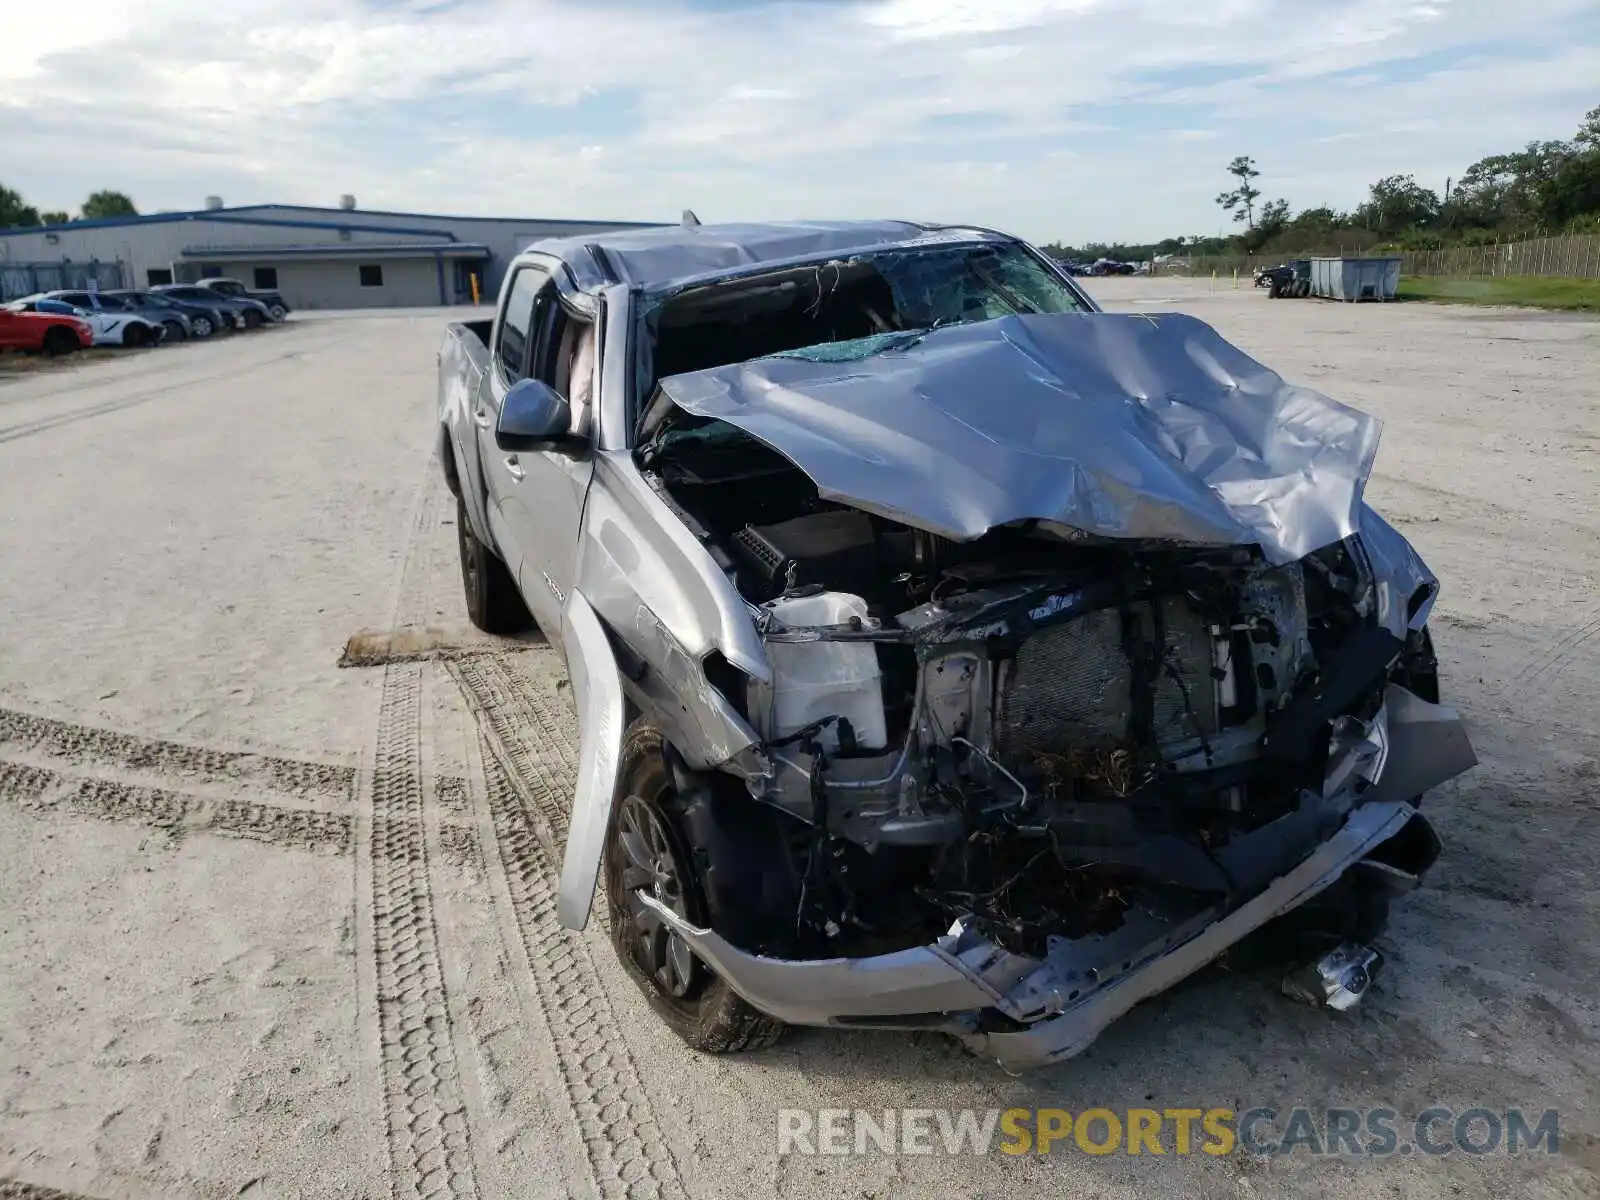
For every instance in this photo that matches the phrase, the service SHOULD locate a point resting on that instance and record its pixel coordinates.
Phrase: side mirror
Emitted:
(533, 416)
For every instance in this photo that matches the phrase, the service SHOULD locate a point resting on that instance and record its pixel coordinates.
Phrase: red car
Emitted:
(42, 333)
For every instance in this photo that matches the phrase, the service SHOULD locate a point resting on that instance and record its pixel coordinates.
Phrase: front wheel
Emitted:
(277, 311)
(59, 341)
(202, 327)
(252, 319)
(175, 332)
(646, 853)
(135, 335)
(493, 603)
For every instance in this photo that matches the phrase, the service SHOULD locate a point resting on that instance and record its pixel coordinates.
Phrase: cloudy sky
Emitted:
(1069, 119)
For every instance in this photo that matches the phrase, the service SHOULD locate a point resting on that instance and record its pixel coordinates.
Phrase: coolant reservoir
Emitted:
(813, 680)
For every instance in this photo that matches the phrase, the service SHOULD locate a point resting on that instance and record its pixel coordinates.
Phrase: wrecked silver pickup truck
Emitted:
(948, 654)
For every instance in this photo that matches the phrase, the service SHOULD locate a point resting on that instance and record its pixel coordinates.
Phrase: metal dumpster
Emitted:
(1355, 278)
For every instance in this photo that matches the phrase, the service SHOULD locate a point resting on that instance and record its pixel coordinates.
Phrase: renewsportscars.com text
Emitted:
(1265, 1130)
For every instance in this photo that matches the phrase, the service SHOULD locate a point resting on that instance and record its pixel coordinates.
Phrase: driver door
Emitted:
(540, 493)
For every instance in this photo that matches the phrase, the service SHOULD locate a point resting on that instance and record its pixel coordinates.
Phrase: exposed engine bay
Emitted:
(1034, 732)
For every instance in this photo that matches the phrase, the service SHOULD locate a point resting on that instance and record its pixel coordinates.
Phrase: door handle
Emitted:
(513, 468)
(481, 417)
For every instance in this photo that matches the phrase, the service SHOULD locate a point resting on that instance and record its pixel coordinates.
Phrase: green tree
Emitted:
(1398, 202)
(13, 211)
(1241, 201)
(1573, 192)
(1588, 138)
(54, 218)
(108, 204)
(1502, 190)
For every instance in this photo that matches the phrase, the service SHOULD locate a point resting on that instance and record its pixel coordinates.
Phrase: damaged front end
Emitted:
(1063, 791)
(1036, 743)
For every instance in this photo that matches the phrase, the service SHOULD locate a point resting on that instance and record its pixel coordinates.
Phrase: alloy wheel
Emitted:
(651, 864)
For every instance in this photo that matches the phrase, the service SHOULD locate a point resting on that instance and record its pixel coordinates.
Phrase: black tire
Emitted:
(175, 331)
(277, 312)
(202, 326)
(493, 603)
(690, 998)
(135, 335)
(252, 319)
(59, 341)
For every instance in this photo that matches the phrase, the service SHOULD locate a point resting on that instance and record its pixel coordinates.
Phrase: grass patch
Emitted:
(1524, 291)
(17, 363)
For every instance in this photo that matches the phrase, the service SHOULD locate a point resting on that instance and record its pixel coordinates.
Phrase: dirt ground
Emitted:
(270, 927)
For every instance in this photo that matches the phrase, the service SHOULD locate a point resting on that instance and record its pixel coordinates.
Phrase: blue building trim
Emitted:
(225, 217)
(379, 212)
(340, 250)
(438, 266)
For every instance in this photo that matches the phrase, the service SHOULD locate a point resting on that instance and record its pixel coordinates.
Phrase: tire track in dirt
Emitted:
(426, 1119)
(174, 812)
(15, 1189)
(534, 734)
(429, 1143)
(1556, 654)
(626, 1150)
(60, 739)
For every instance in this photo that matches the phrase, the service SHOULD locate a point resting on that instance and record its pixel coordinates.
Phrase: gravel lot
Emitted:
(272, 928)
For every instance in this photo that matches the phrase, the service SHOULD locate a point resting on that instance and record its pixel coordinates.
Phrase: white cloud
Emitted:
(1055, 117)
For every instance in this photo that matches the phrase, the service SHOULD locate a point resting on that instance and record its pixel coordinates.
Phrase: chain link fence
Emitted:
(1573, 256)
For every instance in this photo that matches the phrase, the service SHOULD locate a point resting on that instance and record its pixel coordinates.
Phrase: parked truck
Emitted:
(947, 653)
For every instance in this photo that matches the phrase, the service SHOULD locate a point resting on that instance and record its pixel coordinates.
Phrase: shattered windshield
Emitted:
(845, 309)
(949, 286)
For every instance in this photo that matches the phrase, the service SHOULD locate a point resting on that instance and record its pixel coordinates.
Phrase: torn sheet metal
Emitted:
(1116, 425)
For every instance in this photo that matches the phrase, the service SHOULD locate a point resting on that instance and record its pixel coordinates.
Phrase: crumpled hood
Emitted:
(1119, 425)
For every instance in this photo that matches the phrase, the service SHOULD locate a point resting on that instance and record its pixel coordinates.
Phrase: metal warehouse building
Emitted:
(342, 257)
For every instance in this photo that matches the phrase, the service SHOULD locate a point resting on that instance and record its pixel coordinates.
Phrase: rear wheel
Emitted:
(493, 603)
(59, 341)
(202, 326)
(252, 319)
(647, 854)
(277, 311)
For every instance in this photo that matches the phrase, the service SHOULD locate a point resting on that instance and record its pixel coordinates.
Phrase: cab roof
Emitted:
(664, 257)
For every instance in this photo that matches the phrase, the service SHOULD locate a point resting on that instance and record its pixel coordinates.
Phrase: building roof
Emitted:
(342, 250)
(666, 256)
(331, 218)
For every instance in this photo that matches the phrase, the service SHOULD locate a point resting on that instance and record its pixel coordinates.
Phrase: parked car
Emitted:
(948, 654)
(276, 307)
(177, 324)
(204, 319)
(248, 313)
(41, 333)
(1287, 279)
(107, 328)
